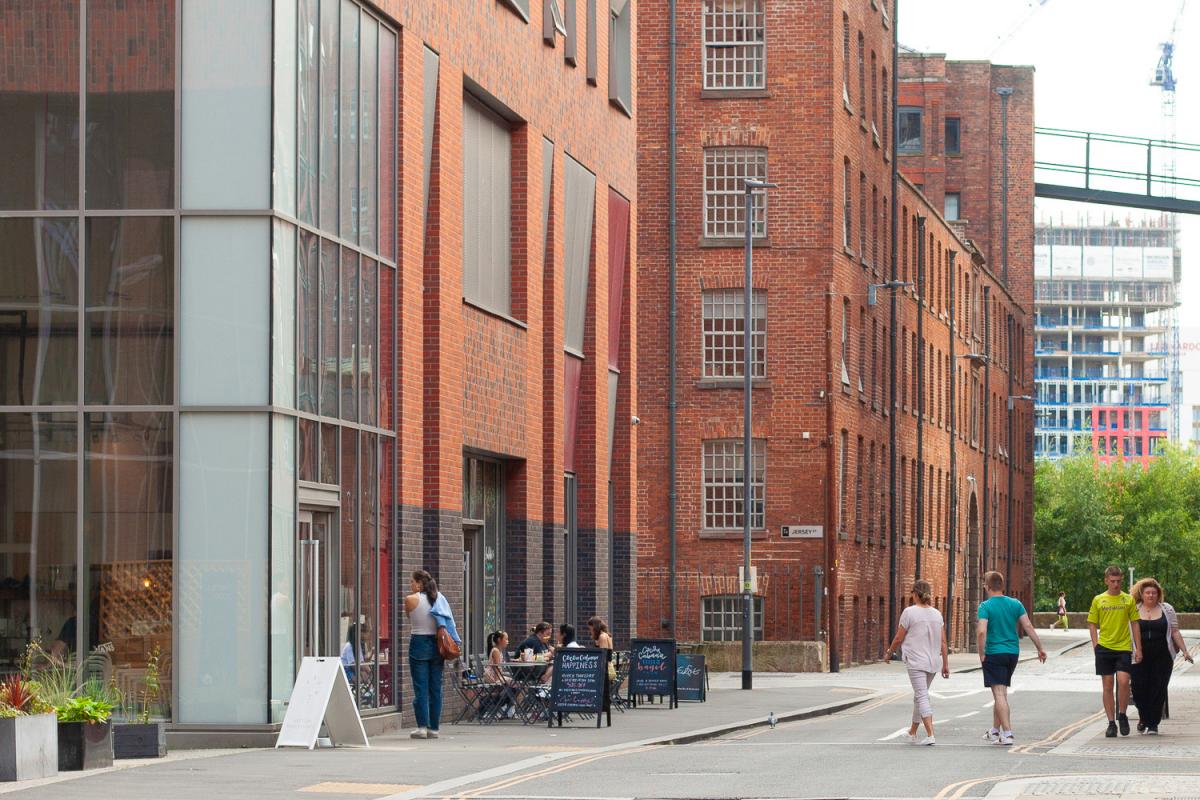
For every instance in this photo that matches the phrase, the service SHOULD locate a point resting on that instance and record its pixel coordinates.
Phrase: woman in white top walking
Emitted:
(923, 633)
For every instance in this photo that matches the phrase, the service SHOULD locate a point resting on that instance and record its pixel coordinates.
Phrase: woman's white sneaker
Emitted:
(1005, 739)
(419, 733)
(928, 740)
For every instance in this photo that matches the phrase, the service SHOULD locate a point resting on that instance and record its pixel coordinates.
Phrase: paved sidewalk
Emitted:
(398, 766)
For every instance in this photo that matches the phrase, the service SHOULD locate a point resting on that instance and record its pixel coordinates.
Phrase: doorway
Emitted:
(483, 549)
(315, 609)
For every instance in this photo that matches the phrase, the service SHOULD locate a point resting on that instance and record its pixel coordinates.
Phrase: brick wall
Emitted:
(816, 130)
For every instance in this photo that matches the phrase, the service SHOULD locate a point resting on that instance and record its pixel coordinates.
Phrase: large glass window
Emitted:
(735, 44)
(38, 508)
(39, 108)
(130, 104)
(128, 543)
(130, 305)
(39, 311)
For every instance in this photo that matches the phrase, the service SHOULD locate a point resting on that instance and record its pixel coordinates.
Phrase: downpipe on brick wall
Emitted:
(672, 485)
(893, 500)
(832, 606)
(951, 559)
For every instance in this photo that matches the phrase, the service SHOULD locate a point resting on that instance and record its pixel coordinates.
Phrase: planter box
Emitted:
(84, 745)
(28, 747)
(137, 740)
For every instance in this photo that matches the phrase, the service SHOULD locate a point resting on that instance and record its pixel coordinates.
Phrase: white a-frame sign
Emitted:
(321, 694)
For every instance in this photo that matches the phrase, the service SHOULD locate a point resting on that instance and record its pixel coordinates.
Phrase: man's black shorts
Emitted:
(998, 669)
(1109, 662)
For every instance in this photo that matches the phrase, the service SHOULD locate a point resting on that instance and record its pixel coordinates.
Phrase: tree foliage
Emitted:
(1088, 516)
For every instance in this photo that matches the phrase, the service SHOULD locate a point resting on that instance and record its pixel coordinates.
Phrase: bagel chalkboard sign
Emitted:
(652, 670)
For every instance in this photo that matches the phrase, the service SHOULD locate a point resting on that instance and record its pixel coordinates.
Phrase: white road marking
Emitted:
(968, 714)
(895, 735)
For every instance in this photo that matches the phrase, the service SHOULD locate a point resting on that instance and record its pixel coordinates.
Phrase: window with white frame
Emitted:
(726, 170)
(735, 44)
(952, 205)
(722, 618)
(724, 333)
(723, 506)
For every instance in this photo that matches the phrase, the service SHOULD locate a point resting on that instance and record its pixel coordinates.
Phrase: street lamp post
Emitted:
(747, 439)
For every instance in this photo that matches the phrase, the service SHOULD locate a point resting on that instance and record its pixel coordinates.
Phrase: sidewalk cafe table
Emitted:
(526, 690)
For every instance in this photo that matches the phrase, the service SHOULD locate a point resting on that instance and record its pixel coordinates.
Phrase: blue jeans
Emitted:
(425, 664)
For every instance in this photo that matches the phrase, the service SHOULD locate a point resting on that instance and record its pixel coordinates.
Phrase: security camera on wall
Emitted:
(635, 420)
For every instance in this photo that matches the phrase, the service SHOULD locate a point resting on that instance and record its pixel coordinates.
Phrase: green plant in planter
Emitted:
(84, 709)
(151, 687)
(20, 697)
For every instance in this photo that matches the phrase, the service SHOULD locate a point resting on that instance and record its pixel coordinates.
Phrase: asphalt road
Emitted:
(862, 753)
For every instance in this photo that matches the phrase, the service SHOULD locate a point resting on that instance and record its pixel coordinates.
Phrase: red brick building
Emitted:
(801, 95)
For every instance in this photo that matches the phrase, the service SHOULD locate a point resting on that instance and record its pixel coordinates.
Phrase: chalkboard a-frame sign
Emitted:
(652, 670)
(691, 677)
(579, 684)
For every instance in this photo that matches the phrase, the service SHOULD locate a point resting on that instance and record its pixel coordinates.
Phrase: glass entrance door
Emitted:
(472, 633)
(313, 629)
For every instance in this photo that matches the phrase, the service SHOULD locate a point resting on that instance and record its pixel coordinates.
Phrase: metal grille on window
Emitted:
(735, 48)
(724, 334)
(722, 619)
(726, 170)
(723, 506)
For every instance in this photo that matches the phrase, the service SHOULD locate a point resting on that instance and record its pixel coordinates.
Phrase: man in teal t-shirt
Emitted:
(999, 618)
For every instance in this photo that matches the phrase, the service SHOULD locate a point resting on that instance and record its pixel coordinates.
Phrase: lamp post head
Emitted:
(751, 185)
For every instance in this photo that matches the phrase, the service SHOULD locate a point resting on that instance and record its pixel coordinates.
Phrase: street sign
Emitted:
(321, 694)
(803, 531)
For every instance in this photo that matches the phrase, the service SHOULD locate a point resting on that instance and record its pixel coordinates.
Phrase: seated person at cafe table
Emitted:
(538, 640)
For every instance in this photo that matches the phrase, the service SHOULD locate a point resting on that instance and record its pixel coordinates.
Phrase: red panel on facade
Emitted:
(618, 238)
(572, 366)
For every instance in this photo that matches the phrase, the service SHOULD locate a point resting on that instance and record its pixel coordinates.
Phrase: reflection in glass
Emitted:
(38, 509)
(386, 665)
(386, 377)
(347, 564)
(307, 450)
(130, 104)
(39, 300)
(369, 557)
(491, 544)
(308, 142)
(348, 120)
(367, 157)
(39, 108)
(347, 371)
(130, 310)
(368, 351)
(387, 143)
(330, 18)
(283, 313)
(329, 454)
(329, 329)
(128, 546)
(308, 319)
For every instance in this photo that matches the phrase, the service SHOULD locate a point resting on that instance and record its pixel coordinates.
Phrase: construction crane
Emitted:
(1164, 78)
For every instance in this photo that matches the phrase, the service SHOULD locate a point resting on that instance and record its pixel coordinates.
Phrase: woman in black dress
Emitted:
(1161, 642)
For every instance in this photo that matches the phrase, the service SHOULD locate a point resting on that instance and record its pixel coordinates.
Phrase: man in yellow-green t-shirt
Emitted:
(1117, 642)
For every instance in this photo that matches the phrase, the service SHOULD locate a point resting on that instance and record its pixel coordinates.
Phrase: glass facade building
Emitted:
(197, 287)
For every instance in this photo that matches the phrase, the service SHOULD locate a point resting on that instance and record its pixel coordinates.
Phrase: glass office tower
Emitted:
(197, 288)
